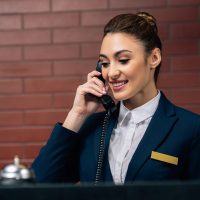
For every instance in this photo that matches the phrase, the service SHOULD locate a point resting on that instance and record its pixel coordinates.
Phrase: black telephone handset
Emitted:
(106, 100)
(110, 107)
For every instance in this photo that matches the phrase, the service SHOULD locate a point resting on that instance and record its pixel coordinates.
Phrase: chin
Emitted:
(119, 97)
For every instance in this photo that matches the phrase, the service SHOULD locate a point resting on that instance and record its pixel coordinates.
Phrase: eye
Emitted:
(105, 64)
(124, 61)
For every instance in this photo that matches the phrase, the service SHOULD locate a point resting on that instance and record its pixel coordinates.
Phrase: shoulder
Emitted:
(178, 110)
(186, 118)
(182, 112)
(189, 119)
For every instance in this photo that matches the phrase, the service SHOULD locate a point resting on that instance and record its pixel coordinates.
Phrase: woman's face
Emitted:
(127, 69)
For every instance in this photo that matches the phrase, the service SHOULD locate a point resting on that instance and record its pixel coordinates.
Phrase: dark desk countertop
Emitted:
(135, 191)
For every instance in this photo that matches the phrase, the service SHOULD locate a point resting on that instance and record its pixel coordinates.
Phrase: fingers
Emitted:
(92, 88)
(93, 74)
(93, 85)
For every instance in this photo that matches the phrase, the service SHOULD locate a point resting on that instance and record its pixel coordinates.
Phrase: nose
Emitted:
(113, 72)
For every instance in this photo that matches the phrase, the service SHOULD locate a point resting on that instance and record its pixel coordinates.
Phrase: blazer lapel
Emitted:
(159, 127)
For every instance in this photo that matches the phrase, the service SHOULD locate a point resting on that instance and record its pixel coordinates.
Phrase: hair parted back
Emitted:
(141, 25)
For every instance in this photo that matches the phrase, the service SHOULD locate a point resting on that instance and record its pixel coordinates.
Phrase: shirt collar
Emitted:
(140, 113)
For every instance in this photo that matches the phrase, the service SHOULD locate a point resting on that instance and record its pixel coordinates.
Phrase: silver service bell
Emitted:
(16, 173)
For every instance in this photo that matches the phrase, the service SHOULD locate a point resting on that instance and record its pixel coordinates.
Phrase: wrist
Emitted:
(74, 121)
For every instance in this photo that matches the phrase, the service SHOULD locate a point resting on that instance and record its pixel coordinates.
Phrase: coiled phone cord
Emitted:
(101, 149)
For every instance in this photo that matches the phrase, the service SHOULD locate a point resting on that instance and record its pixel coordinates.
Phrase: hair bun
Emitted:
(149, 19)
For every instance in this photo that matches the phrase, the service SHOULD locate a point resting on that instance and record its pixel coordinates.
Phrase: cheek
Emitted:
(138, 76)
(105, 73)
(135, 72)
(140, 70)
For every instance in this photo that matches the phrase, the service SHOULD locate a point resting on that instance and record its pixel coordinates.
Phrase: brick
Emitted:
(90, 50)
(63, 100)
(9, 22)
(97, 18)
(188, 97)
(44, 117)
(74, 67)
(80, 34)
(102, 17)
(32, 150)
(10, 86)
(183, 2)
(22, 150)
(186, 63)
(165, 65)
(179, 80)
(10, 150)
(51, 20)
(24, 6)
(68, 5)
(51, 52)
(16, 102)
(177, 47)
(51, 85)
(10, 119)
(174, 14)
(163, 30)
(136, 3)
(25, 37)
(25, 69)
(185, 30)
(24, 134)
(10, 53)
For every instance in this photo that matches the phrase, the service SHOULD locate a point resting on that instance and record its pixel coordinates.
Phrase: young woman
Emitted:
(147, 138)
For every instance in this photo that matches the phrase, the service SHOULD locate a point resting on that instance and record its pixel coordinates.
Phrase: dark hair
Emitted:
(142, 25)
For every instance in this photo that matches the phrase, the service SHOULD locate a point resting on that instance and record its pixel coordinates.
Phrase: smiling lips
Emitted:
(118, 85)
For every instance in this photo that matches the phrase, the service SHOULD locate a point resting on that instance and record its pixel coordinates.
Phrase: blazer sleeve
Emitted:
(194, 155)
(58, 159)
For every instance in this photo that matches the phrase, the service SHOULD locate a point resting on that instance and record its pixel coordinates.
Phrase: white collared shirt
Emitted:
(126, 137)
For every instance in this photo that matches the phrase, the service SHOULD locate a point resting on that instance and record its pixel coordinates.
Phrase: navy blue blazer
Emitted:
(173, 135)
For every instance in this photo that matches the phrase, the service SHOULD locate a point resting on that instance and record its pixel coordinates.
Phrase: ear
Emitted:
(155, 58)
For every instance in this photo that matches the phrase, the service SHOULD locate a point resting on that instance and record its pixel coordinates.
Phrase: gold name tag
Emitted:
(164, 157)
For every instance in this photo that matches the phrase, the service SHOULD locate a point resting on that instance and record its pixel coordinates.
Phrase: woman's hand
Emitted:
(86, 101)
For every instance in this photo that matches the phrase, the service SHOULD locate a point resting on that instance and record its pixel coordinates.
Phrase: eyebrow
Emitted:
(116, 54)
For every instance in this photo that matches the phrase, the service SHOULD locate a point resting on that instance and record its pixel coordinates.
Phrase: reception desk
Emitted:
(135, 191)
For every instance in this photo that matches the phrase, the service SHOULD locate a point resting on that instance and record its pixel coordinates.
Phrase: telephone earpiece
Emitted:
(106, 100)
(98, 68)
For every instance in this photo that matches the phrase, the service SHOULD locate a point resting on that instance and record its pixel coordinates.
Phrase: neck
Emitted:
(140, 99)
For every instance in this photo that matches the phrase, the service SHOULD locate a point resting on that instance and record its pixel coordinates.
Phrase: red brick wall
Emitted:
(48, 46)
